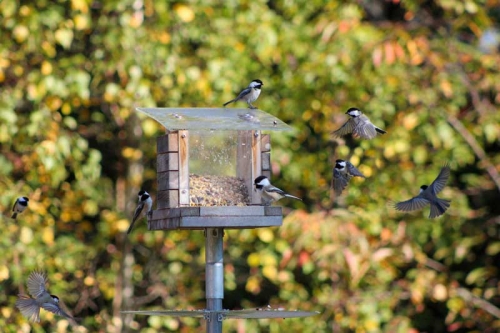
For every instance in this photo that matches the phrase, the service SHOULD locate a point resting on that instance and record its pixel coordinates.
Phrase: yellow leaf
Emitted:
(440, 292)
(253, 259)
(64, 37)
(253, 284)
(185, 13)
(270, 272)
(46, 68)
(20, 33)
(4, 273)
(265, 235)
(89, 281)
(446, 88)
(48, 236)
(26, 235)
(80, 5)
(81, 22)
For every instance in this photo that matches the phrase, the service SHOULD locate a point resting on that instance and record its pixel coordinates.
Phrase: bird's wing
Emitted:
(36, 284)
(364, 128)
(243, 93)
(440, 182)
(14, 207)
(353, 171)
(339, 181)
(28, 307)
(415, 203)
(138, 211)
(347, 128)
(274, 189)
(54, 308)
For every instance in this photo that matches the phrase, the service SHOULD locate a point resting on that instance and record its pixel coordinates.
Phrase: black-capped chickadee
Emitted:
(428, 195)
(19, 206)
(358, 125)
(145, 201)
(270, 193)
(30, 307)
(342, 173)
(249, 94)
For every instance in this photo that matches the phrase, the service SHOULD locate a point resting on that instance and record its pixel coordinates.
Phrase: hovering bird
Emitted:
(358, 125)
(19, 206)
(270, 193)
(249, 94)
(144, 201)
(342, 173)
(428, 195)
(30, 307)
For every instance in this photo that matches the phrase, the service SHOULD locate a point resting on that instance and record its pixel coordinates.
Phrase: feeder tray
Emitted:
(263, 313)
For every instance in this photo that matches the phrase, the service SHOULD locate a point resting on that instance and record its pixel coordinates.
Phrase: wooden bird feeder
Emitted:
(204, 150)
(206, 166)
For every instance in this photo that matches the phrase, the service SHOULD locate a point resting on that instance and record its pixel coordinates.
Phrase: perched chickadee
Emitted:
(342, 173)
(144, 201)
(19, 206)
(30, 307)
(270, 193)
(428, 195)
(249, 94)
(359, 125)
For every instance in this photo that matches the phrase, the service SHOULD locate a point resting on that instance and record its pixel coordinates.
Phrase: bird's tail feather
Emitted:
(131, 226)
(14, 216)
(439, 207)
(381, 131)
(228, 102)
(29, 308)
(292, 197)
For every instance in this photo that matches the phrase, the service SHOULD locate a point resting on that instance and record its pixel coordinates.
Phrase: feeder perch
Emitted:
(206, 165)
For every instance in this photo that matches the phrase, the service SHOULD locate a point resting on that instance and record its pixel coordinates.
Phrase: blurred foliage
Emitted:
(72, 72)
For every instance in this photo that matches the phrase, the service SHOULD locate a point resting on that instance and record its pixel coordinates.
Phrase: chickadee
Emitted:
(144, 201)
(30, 307)
(270, 193)
(359, 125)
(249, 94)
(342, 173)
(428, 195)
(19, 206)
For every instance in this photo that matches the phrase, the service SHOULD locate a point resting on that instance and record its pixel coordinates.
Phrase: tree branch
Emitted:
(478, 150)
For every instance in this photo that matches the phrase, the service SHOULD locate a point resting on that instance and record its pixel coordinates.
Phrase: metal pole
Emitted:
(214, 271)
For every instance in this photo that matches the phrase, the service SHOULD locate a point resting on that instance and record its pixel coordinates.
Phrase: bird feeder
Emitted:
(206, 164)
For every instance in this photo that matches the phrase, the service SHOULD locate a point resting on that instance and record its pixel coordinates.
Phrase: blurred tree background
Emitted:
(428, 72)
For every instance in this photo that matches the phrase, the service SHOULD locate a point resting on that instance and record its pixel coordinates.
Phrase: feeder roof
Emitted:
(215, 119)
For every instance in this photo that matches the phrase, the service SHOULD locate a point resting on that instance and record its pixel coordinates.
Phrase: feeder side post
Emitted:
(256, 164)
(266, 155)
(244, 161)
(167, 167)
(214, 277)
(183, 168)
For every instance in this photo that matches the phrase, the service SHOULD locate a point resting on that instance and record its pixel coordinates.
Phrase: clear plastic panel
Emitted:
(215, 119)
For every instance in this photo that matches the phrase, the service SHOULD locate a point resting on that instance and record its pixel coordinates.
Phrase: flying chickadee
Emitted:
(249, 94)
(342, 173)
(145, 201)
(428, 195)
(358, 125)
(19, 206)
(30, 307)
(270, 193)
